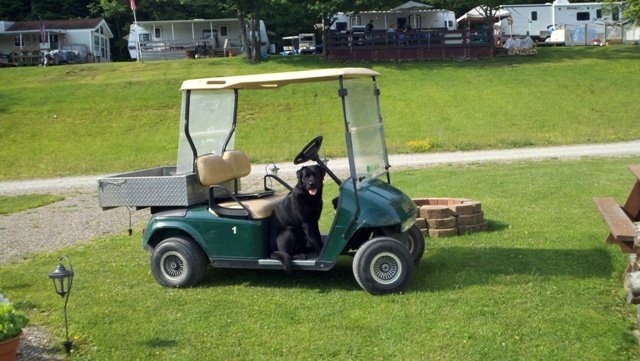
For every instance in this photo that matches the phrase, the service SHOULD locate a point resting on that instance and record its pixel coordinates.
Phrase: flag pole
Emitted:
(132, 4)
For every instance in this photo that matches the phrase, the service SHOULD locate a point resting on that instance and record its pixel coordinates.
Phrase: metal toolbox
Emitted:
(155, 187)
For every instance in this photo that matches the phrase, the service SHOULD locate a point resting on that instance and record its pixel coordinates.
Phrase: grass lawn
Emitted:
(13, 204)
(108, 118)
(541, 285)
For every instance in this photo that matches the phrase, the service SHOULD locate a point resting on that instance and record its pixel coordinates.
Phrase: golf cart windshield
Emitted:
(210, 121)
(368, 154)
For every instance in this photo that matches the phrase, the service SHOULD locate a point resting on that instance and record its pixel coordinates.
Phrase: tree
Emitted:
(631, 10)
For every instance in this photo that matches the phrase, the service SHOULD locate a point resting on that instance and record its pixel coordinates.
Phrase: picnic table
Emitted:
(620, 219)
(624, 231)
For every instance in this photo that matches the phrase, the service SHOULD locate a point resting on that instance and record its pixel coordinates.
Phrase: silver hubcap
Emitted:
(172, 265)
(386, 268)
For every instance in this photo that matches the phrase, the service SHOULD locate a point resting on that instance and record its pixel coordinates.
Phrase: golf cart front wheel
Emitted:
(383, 265)
(178, 262)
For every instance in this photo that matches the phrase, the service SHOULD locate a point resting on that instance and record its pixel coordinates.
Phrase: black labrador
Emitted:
(294, 231)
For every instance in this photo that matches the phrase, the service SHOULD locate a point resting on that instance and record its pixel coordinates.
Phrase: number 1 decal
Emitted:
(235, 230)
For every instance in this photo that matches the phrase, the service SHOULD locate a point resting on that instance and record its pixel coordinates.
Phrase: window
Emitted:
(355, 20)
(341, 26)
(599, 14)
(157, 32)
(224, 30)
(415, 21)
(206, 34)
(615, 14)
(582, 16)
(18, 41)
(534, 16)
(145, 37)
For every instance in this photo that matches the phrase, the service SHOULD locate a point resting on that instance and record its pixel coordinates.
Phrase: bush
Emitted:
(11, 321)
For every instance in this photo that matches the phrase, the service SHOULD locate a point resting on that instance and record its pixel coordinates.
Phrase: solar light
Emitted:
(62, 281)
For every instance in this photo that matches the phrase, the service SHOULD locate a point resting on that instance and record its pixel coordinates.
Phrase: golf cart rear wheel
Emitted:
(178, 262)
(383, 265)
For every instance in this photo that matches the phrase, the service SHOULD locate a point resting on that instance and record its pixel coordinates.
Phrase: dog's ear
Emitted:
(299, 174)
(322, 171)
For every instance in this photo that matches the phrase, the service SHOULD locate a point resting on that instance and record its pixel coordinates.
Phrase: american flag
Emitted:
(132, 4)
(43, 33)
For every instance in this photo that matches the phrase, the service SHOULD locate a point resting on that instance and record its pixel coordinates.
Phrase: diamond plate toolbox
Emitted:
(155, 187)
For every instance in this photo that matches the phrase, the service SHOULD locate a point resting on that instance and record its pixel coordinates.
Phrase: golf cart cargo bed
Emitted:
(155, 187)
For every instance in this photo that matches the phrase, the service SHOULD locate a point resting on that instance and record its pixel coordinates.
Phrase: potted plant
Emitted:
(11, 324)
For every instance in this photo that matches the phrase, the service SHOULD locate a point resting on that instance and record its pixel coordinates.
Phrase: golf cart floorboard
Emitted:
(267, 263)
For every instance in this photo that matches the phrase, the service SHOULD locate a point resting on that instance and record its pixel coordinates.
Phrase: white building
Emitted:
(28, 40)
(582, 21)
(174, 39)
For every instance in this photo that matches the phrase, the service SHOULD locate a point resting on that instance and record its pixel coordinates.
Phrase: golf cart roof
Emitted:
(276, 80)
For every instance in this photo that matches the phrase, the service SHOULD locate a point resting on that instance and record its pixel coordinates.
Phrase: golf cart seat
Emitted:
(214, 171)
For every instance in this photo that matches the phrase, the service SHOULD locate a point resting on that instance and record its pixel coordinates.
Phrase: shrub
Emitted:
(11, 321)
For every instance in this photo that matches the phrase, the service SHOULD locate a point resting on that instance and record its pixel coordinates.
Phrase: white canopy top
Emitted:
(480, 12)
(276, 80)
(412, 5)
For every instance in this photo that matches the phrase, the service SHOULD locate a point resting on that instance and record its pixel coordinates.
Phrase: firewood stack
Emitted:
(441, 217)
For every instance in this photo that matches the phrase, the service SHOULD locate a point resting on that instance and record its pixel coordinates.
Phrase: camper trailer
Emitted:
(401, 19)
(539, 20)
(175, 39)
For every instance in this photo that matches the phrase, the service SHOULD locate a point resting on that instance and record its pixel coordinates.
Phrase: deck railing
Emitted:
(414, 44)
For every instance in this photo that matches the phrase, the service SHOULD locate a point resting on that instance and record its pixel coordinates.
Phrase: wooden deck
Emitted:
(422, 44)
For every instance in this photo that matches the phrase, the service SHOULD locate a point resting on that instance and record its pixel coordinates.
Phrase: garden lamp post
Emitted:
(62, 281)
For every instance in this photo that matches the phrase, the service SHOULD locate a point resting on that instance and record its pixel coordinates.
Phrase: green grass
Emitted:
(541, 285)
(104, 118)
(13, 204)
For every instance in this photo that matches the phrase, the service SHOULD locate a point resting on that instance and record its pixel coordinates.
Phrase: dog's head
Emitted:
(310, 179)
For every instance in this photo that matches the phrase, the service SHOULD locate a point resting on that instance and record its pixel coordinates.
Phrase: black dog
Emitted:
(294, 228)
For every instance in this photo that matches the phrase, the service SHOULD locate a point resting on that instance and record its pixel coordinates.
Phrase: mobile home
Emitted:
(172, 39)
(417, 19)
(539, 20)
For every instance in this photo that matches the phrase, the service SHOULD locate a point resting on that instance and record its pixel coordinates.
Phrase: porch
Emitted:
(419, 44)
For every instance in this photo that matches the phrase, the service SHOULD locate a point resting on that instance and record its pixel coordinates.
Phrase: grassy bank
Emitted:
(103, 118)
(540, 285)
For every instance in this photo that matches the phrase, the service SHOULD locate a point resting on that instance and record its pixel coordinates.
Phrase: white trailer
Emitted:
(539, 20)
(172, 39)
(401, 19)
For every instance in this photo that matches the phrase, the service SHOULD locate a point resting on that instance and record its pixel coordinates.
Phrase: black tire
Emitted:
(383, 265)
(178, 262)
(414, 240)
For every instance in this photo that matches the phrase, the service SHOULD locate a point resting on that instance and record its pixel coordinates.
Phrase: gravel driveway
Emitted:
(79, 219)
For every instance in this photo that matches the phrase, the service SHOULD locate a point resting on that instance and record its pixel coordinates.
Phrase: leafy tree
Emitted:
(15, 10)
(631, 10)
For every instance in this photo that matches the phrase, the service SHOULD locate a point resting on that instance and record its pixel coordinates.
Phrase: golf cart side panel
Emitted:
(155, 187)
(379, 205)
(218, 237)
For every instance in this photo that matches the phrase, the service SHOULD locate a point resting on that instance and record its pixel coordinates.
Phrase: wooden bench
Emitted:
(619, 219)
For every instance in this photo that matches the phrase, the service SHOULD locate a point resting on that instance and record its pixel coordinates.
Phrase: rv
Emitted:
(173, 39)
(401, 19)
(539, 20)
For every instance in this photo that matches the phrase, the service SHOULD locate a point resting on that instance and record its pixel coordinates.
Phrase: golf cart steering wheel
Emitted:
(310, 151)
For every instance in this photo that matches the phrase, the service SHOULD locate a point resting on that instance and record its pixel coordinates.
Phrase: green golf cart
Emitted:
(200, 214)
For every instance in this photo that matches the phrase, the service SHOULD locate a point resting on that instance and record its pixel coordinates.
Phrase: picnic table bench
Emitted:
(620, 219)
(624, 231)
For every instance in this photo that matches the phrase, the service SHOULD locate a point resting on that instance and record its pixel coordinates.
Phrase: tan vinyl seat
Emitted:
(214, 170)
(259, 208)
